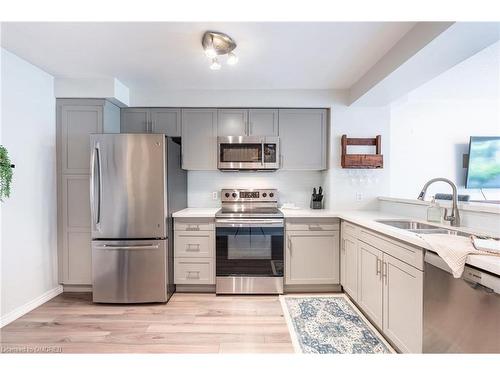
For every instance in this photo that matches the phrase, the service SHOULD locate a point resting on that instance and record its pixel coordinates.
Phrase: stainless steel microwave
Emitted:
(248, 153)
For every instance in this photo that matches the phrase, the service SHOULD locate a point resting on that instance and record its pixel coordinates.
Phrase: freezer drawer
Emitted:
(129, 271)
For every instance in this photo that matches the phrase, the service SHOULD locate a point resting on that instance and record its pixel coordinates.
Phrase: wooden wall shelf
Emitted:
(362, 161)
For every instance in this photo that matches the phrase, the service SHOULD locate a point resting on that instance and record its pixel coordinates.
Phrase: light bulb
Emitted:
(210, 52)
(232, 59)
(215, 64)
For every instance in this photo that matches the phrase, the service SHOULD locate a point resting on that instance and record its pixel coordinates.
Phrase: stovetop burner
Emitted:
(249, 203)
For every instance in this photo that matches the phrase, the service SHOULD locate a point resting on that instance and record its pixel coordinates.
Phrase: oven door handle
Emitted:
(220, 223)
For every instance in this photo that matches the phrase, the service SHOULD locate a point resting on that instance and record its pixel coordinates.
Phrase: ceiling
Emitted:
(330, 55)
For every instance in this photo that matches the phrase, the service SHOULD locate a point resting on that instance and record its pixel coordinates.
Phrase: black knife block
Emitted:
(316, 205)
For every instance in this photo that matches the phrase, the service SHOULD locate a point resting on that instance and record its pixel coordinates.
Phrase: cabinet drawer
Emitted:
(313, 224)
(349, 229)
(194, 271)
(194, 225)
(194, 244)
(409, 254)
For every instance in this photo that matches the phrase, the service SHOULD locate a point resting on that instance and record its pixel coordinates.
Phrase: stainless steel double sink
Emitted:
(417, 227)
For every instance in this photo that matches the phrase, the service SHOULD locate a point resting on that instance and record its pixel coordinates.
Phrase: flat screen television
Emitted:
(483, 171)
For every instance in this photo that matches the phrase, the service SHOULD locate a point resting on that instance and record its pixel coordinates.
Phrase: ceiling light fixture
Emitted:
(215, 64)
(219, 44)
(232, 59)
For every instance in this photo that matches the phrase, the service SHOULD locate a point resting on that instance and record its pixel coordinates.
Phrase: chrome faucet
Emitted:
(454, 218)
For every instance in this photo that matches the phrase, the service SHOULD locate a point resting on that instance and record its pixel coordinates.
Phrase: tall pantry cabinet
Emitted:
(76, 119)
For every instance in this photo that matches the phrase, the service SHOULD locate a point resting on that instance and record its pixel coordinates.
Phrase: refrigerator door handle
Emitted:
(95, 210)
(126, 247)
(99, 172)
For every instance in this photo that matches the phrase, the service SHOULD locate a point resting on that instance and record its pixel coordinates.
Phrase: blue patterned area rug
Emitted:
(330, 324)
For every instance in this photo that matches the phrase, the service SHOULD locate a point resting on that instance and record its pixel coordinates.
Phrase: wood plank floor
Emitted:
(188, 323)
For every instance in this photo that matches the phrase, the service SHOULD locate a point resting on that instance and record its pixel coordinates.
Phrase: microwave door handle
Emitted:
(262, 158)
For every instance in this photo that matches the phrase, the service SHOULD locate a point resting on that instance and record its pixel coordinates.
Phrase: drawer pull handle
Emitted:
(196, 273)
(193, 227)
(315, 227)
(193, 247)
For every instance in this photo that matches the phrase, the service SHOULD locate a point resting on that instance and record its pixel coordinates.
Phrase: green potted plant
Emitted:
(5, 173)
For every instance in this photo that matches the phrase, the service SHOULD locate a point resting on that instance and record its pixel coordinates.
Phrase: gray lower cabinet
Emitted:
(303, 139)
(194, 251)
(349, 254)
(312, 253)
(370, 282)
(390, 285)
(199, 139)
(76, 119)
(252, 122)
(151, 120)
(403, 305)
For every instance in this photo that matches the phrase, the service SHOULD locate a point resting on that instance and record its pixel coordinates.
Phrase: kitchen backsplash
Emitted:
(293, 186)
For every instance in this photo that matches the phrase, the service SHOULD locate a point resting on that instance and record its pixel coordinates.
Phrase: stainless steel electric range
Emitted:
(249, 242)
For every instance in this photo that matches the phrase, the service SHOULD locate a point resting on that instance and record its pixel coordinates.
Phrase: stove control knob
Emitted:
(234, 195)
(271, 195)
(227, 195)
(264, 195)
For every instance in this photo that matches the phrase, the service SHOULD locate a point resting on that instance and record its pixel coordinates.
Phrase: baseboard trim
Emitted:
(27, 307)
(186, 288)
(309, 288)
(77, 288)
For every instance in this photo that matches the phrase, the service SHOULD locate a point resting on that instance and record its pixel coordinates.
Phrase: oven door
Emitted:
(249, 247)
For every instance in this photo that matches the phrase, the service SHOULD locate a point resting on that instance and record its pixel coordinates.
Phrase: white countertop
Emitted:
(197, 212)
(366, 219)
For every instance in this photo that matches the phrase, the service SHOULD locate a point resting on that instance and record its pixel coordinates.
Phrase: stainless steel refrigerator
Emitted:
(136, 184)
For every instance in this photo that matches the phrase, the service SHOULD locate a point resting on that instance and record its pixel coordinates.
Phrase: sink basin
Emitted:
(417, 227)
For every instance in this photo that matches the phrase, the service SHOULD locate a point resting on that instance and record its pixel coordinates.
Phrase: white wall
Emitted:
(430, 128)
(293, 186)
(357, 189)
(29, 236)
(163, 97)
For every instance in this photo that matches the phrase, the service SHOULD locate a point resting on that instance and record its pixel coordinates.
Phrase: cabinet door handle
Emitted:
(384, 272)
(289, 241)
(378, 266)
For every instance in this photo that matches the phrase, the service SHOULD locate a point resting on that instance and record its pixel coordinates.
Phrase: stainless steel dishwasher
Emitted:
(460, 315)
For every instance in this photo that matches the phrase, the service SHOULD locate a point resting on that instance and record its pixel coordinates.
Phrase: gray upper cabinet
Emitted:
(199, 139)
(77, 118)
(77, 122)
(263, 122)
(135, 120)
(151, 120)
(255, 122)
(166, 121)
(232, 122)
(303, 137)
